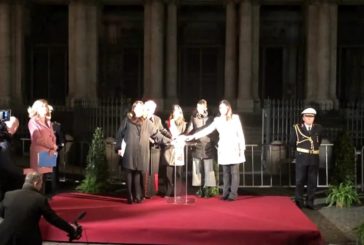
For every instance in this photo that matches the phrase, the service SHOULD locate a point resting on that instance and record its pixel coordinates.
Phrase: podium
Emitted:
(180, 183)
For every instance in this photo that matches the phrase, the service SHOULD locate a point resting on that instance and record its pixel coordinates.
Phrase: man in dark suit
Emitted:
(151, 177)
(21, 211)
(306, 137)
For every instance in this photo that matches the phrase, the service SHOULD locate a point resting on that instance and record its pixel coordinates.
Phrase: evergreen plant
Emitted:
(96, 177)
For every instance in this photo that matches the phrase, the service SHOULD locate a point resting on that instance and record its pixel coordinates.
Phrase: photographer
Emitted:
(22, 210)
(11, 177)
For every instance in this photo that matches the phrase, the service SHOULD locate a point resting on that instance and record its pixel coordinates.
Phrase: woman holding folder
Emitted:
(41, 134)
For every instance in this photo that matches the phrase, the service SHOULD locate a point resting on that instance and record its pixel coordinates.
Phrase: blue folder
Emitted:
(47, 160)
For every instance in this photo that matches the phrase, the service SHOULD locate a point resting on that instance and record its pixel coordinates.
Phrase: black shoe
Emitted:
(224, 198)
(231, 199)
(129, 201)
(137, 200)
(312, 207)
(299, 205)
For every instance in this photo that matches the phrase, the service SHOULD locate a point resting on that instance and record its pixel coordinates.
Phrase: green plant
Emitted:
(360, 232)
(96, 178)
(343, 195)
(344, 160)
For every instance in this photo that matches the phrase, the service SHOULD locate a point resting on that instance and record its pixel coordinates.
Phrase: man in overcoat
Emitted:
(151, 176)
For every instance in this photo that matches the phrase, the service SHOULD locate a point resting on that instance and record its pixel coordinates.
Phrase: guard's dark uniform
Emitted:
(307, 143)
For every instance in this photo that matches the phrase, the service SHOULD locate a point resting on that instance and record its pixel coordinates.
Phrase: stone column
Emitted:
(18, 61)
(171, 54)
(321, 53)
(230, 51)
(154, 89)
(147, 46)
(248, 49)
(311, 61)
(83, 50)
(5, 54)
(333, 52)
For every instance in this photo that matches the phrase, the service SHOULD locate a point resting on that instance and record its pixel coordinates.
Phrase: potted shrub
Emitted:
(343, 195)
(343, 192)
(96, 178)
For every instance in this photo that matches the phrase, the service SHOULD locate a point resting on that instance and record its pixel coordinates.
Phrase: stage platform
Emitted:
(248, 220)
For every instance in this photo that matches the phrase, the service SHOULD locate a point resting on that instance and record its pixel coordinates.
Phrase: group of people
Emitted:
(143, 143)
(22, 204)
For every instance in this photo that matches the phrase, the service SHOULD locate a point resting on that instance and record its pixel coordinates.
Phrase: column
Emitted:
(333, 8)
(247, 44)
(321, 53)
(147, 45)
(153, 87)
(230, 51)
(83, 51)
(171, 54)
(311, 65)
(19, 14)
(5, 53)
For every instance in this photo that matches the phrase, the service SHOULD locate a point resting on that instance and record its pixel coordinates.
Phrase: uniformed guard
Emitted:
(306, 137)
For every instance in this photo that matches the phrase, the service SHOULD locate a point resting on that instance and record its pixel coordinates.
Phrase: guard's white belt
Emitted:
(316, 152)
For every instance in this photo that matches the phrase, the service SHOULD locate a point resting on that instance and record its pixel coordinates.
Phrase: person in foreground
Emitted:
(231, 147)
(306, 138)
(21, 211)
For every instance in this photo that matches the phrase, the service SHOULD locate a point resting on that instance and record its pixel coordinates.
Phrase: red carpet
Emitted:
(249, 220)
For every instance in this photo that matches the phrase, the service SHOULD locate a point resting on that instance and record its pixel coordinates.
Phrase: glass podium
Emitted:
(180, 182)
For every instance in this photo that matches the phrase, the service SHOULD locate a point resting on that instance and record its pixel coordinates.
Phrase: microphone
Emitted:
(79, 217)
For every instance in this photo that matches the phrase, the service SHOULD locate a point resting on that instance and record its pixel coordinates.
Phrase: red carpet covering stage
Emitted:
(249, 220)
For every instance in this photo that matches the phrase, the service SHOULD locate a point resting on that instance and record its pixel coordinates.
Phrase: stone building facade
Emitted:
(178, 51)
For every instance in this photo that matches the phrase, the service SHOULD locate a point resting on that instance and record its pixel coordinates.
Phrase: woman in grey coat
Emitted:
(132, 144)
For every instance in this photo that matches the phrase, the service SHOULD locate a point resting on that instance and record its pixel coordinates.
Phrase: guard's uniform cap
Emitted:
(309, 111)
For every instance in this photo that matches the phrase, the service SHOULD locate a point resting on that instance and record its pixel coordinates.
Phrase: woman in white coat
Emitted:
(231, 147)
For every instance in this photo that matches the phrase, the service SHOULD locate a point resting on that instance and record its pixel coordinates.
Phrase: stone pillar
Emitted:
(19, 14)
(230, 51)
(83, 50)
(5, 54)
(321, 53)
(154, 89)
(171, 54)
(248, 49)
(147, 46)
(333, 8)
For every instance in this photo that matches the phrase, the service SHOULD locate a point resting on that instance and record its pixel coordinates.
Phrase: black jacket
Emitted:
(205, 147)
(136, 137)
(310, 141)
(22, 210)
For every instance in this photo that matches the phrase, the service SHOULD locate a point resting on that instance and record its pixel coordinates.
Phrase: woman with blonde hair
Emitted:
(41, 133)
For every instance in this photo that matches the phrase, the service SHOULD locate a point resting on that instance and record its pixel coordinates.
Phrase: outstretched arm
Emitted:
(206, 131)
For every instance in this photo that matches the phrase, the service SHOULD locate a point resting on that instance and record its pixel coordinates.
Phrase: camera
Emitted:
(5, 115)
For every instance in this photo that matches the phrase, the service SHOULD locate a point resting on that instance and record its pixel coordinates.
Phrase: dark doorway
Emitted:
(47, 53)
(350, 79)
(201, 54)
(282, 45)
(273, 75)
(121, 52)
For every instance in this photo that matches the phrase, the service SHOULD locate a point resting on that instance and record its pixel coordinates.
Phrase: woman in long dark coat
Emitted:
(132, 143)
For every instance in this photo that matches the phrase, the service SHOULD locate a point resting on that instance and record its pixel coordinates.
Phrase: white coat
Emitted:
(231, 144)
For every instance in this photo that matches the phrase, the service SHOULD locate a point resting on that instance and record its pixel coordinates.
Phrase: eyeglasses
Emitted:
(309, 115)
